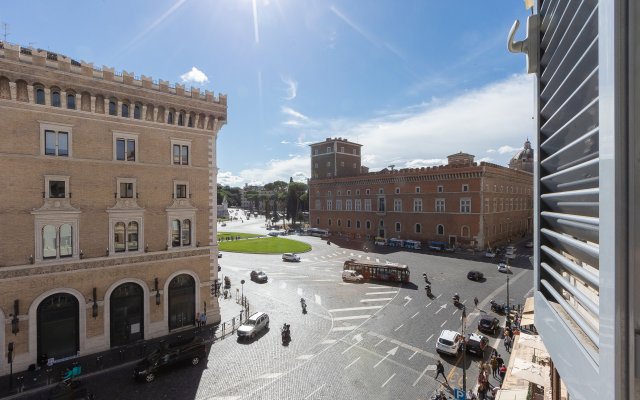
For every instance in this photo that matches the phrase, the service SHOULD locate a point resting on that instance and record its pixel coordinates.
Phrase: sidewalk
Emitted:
(42, 380)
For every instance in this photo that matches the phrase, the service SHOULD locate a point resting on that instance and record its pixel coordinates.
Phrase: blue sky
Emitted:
(411, 80)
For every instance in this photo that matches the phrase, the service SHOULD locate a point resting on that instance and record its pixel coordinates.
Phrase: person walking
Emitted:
(507, 344)
(475, 301)
(203, 319)
(499, 359)
(503, 373)
(197, 321)
(494, 365)
(440, 371)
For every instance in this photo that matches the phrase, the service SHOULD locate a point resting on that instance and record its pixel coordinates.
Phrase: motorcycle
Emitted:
(428, 290)
(456, 300)
(497, 308)
(303, 304)
(286, 334)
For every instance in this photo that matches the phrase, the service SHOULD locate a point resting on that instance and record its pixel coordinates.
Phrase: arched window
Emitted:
(464, 231)
(398, 227)
(66, 241)
(49, 242)
(55, 97)
(22, 92)
(381, 224)
(160, 116)
(368, 224)
(186, 232)
(192, 118)
(181, 118)
(339, 222)
(119, 237)
(150, 109)
(440, 230)
(170, 117)
(137, 111)
(124, 112)
(39, 94)
(71, 101)
(5, 89)
(175, 233)
(113, 107)
(317, 221)
(358, 224)
(348, 223)
(85, 101)
(329, 221)
(132, 236)
(201, 121)
(99, 104)
(418, 228)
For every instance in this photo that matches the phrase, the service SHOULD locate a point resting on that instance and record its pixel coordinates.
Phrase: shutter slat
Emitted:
(587, 302)
(573, 268)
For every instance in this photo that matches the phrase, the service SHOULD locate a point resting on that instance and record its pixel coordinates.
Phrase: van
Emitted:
(349, 275)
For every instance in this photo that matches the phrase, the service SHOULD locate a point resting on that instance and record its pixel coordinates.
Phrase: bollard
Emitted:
(99, 362)
(223, 327)
(233, 324)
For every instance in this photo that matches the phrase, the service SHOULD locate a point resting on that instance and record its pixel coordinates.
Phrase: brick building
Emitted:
(109, 186)
(463, 203)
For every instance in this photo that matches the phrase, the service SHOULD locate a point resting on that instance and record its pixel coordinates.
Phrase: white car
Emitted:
(503, 267)
(351, 276)
(290, 257)
(449, 342)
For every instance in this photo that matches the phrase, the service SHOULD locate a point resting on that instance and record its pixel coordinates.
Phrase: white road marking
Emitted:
(343, 328)
(322, 280)
(408, 299)
(414, 353)
(429, 338)
(305, 357)
(283, 285)
(354, 308)
(357, 338)
(429, 367)
(387, 381)
(299, 291)
(442, 307)
(391, 352)
(376, 293)
(328, 341)
(352, 362)
(370, 300)
(443, 324)
(318, 299)
(368, 258)
(427, 306)
(456, 310)
(376, 345)
(270, 376)
(377, 260)
(377, 287)
(414, 315)
(364, 316)
(398, 327)
(438, 296)
(315, 391)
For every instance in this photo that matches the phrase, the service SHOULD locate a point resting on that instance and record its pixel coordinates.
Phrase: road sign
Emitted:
(459, 394)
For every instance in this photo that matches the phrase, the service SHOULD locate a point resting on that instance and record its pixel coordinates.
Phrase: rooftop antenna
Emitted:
(5, 27)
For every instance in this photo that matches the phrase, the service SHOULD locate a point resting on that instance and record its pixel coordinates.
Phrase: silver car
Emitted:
(253, 325)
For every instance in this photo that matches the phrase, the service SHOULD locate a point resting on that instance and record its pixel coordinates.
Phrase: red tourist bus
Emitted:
(387, 272)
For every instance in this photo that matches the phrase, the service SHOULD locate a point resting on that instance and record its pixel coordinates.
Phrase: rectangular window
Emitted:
(57, 189)
(341, 149)
(338, 205)
(367, 204)
(381, 206)
(358, 205)
(181, 191)
(318, 204)
(440, 205)
(329, 205)
(126, 190)
(440, 189)
(465, 205)
(495, 205)
(355, 152)
(486, 205)
(125, 149)
(315, 152)
(328, 149)
(342, 163)
(348, 205)
(56, 143)
(180, 154)
(328, 163)
(417, 205)
(465, 188)
(397, 205)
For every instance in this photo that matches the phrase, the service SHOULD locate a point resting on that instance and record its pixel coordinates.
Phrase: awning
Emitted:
(528, 306)
(512, 394)
(529, 371)
(531, 341)
(526, 320)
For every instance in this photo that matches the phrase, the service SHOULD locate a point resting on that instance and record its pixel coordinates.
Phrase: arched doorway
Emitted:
(58, 326)
(126, 309)
(182, 301)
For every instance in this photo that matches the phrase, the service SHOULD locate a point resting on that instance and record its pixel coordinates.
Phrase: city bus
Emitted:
(318, 232)
(372, 271)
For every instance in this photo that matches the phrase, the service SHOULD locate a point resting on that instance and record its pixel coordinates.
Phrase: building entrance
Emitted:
(58, 326)
(182, 301)
(127, 314)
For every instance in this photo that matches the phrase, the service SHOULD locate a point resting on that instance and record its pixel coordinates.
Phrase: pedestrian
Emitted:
(475, 301)
(197, 321)
(507, 344)
(494, 365)
(440, 371)
(500, 360)
(203, 319)
(471, 395)
(503, 372)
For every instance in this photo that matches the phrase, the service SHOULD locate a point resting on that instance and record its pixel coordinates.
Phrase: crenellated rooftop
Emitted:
(63, 63)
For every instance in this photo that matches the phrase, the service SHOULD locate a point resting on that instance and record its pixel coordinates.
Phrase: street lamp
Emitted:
(242, 292)
(464, 351)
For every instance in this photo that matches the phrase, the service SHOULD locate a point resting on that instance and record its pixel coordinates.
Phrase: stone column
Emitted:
(13, 88)
(31, 95)
(47, 96)
(93, 104)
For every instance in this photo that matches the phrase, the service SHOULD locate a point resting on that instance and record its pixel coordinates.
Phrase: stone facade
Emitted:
(108, 232)
(462, 204)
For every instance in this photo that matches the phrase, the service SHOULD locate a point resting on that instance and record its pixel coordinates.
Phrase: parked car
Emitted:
(476, 344)
(489, 324)
(258, 276)
(253, 325)
(475, 275)
(169, 354)
(290, 257)
(223, 224)
(351, 276)
(489, 254)
(449, 342)
(503, 267)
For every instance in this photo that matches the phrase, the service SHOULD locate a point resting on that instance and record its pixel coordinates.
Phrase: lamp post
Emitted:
(464, 351)
(508, 308)
(242, 292)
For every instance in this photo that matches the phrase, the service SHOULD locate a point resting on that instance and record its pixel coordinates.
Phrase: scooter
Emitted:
(426, 280)
(497, 308)
(286, 334)
(303, 304)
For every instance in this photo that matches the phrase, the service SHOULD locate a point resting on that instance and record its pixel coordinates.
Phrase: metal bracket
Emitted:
(530, 46)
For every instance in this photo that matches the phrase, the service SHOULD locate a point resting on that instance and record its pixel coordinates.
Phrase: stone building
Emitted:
(107, 209)
(463, 203)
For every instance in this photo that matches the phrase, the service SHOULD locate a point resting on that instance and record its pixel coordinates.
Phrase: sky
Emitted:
(411, 80)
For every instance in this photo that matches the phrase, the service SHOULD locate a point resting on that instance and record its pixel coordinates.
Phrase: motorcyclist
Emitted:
(424, 275)
(427, 288)
(303, 304)
(456, 297)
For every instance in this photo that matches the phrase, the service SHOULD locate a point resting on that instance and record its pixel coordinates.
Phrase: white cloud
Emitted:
(194, 76)
(293, 113)
(507, 149)
(291, 89)
(424, 163)
(297, 167)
